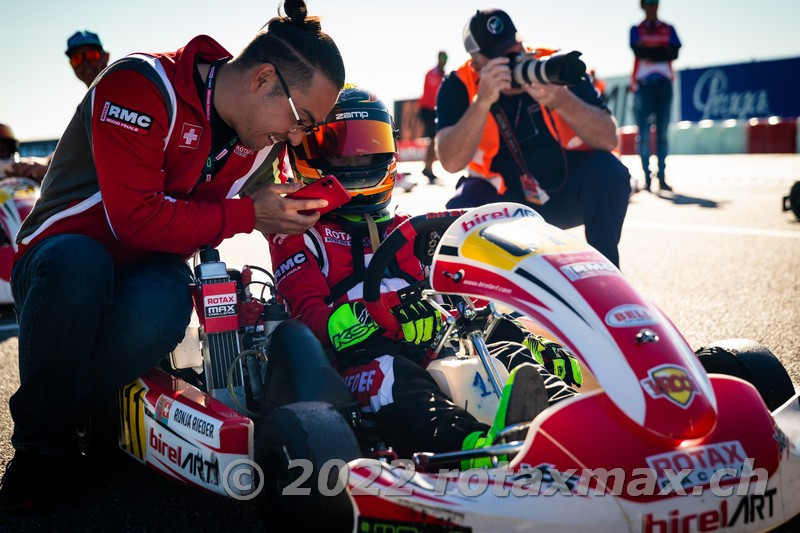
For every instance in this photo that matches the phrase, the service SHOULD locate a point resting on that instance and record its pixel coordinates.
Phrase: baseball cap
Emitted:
(490, 32)
(649, 2)
(83, 38)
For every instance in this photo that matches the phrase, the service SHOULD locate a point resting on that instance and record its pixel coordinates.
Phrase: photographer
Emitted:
(546, 143)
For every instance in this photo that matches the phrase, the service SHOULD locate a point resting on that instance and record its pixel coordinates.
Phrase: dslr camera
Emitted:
(557, 69)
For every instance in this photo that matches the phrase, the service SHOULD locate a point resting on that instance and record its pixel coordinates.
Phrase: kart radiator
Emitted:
(217, 310)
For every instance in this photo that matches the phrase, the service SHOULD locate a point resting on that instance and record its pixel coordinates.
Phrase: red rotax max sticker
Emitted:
(219, 307)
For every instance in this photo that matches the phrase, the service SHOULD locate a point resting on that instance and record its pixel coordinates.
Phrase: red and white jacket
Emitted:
(127, 170)
(313, 271)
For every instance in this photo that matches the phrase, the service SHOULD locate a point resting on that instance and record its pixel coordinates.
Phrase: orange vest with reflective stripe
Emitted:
(490, 141)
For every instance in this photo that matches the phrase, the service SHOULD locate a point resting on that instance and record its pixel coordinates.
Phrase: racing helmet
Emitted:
(356, 143)
(9, 145)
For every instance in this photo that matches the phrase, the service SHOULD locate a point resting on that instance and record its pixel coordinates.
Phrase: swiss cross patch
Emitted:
(190, 136)
(125, 118)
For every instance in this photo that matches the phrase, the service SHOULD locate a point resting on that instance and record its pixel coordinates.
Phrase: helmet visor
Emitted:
(350, 137)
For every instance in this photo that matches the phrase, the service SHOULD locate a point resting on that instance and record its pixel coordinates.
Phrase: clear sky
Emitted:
(387, 45)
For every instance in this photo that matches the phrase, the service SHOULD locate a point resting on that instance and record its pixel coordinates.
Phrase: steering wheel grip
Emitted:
(377, 307)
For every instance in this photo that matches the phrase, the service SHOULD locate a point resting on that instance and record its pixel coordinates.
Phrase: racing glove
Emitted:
(350, 326)
(555, 359)
(420, 321)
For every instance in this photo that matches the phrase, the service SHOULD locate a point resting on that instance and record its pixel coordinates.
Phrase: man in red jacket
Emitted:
(165, 154)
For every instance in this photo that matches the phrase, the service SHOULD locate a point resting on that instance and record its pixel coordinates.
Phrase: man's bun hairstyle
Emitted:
(297, 46)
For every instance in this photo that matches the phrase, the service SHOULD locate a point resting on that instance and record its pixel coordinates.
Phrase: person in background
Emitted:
(86, 55)
(87, 59)
(555, 151)
(12, 165)
(598, 84)
(655, 45)
(427, 112)
(9, 145)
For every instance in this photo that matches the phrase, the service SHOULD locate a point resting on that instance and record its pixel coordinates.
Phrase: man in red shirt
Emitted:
(655, 45)
(427, 111)
(167, 152)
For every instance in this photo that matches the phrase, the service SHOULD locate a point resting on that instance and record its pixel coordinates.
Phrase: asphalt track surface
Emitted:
(718, 256)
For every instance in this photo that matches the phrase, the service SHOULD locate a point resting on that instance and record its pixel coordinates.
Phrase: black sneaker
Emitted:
(33, 481)
(428, 173)
(662, 185)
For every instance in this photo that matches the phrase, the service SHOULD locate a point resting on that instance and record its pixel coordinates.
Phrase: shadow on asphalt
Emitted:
(115, 493)
(681, 199)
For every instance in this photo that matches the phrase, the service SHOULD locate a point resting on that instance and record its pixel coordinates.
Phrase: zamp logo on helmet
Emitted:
(495, 215)
(352, 114)
(128, 119)
(671, 382)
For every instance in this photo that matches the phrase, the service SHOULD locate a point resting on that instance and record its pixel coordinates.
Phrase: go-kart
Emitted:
(661, 444)
(17, 196)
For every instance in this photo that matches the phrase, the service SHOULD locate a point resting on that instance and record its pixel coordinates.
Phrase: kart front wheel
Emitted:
(752, 362)
(302, 448)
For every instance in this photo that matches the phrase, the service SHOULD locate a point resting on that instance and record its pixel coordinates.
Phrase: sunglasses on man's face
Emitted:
(92, 56)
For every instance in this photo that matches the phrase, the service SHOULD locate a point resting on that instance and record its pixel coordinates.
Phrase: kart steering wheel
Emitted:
(379, 306)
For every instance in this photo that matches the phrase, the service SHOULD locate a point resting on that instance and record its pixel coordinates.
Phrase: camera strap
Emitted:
(534, 193)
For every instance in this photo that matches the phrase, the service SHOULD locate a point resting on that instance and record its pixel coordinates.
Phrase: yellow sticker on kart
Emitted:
(132, 434)
(506, 244)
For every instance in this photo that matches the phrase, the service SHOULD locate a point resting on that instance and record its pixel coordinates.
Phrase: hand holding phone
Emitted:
(327, 188)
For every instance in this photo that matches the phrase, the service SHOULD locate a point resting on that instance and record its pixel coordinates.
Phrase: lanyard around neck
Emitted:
(214, 161)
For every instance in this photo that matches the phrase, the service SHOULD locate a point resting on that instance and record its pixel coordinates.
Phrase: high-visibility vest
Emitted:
(489, 144)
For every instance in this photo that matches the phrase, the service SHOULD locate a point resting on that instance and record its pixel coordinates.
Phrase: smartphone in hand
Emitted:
(327, 188)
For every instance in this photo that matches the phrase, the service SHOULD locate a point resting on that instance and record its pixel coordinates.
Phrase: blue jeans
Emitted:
(653, 98)
(595, 194)
(87, 327)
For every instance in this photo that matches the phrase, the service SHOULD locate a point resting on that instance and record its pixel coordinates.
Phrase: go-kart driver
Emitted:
(321, 272)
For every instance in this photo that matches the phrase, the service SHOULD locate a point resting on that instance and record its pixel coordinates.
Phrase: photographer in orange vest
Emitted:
(544, 140)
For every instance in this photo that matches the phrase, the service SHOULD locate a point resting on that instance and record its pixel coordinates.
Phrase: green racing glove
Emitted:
(555, 359)
(420, 321)
(350, 325)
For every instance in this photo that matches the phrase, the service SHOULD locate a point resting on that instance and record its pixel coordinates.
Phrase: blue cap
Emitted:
(83, 38)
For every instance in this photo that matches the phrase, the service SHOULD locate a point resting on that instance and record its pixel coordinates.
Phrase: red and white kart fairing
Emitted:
(603, 457)
(17, 196)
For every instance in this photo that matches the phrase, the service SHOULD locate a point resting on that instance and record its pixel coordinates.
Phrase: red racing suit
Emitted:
(127, 171)
(323, 268)
(320, 269)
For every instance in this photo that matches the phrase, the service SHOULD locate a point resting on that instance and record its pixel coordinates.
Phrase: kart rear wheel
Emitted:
(793, 200)
(753, 363)
(319, 437)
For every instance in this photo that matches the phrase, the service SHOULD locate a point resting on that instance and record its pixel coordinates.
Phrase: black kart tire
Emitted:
(316, 432)
(794, 199)
(753, 363)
